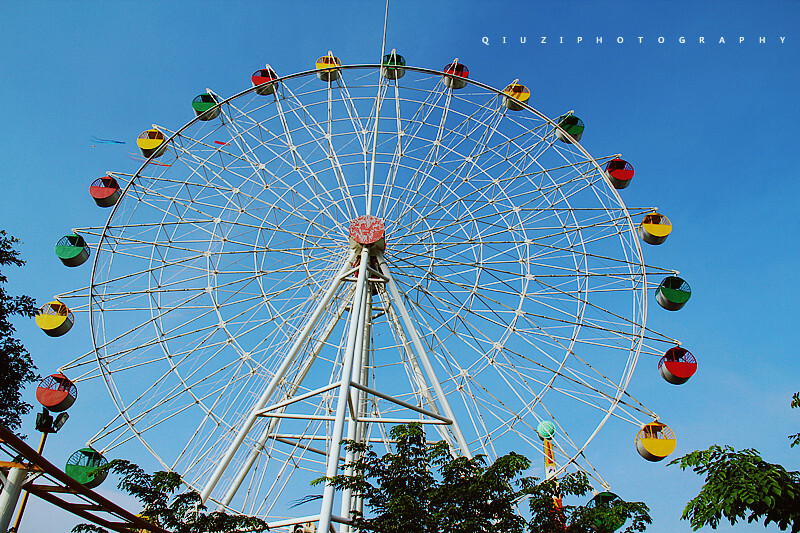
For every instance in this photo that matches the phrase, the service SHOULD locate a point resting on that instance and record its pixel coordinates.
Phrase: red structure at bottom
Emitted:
(56, 487)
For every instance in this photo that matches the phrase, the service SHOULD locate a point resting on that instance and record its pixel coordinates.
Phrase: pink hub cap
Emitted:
(367, 229)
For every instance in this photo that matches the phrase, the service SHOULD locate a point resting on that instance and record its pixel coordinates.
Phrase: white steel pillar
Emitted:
(416, 371)
(362, 432)
(359, 364)
(10, 495)
(273, 423)
(355, 335)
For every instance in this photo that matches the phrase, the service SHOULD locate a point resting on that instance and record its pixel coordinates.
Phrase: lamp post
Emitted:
(46, 424)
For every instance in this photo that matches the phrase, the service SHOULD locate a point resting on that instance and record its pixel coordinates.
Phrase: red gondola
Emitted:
(620, 173)
(677, 365)
(260, 77)
(56, 392)
(455, 75)
(105, 191)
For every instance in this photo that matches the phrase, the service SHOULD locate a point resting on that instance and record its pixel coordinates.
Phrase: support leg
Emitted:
(10, 495)
(359, 363)
(335, 448)
(272, 424)
(397, 299)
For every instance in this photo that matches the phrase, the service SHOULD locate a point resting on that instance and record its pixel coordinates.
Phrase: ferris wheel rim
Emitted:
(620, 203)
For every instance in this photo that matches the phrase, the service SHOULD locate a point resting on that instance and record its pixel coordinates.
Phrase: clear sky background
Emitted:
(710, 129)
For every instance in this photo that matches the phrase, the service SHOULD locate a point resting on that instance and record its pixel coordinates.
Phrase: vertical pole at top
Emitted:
(378, 101)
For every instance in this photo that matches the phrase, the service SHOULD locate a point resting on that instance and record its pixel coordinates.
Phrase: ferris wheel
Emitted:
(329, 253)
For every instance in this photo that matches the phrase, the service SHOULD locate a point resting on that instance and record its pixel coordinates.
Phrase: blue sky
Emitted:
(709, 128)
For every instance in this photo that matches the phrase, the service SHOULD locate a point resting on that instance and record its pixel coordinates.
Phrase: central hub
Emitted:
(367, 230)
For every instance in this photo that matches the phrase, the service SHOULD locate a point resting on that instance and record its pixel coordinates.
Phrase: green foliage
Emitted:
(473, 497)
(16, 365)
(404, 494)
(422, 488)
(739, 485)
(603, 518)
(795, 403)
(182, 513)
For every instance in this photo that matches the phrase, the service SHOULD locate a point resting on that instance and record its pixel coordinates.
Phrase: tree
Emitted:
(795, 403)
(16, 365)
(404, 494)
(183, 513)
(422, 488)
(604, 517)
(741, 485)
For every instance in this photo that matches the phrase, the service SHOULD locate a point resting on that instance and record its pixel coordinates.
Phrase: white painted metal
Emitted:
(512, 288)
(360, 362)
(423, 390)
(10, 495)
(254, 453)
(397, 300)
(355, 335)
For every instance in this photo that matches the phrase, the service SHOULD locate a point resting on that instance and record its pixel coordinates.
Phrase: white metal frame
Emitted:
(504, 244)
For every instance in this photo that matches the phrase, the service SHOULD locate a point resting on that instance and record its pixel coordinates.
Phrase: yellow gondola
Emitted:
(514, 95)
(331, 65)
(655, 228)
(55, 318)
(655, 441)
(152, 143)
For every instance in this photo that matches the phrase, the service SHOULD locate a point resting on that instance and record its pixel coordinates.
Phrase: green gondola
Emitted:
(606, 522)
(572, 125)
(72, 250)
(82, 465)
(392, 66)
(206, 106)
(673, 293)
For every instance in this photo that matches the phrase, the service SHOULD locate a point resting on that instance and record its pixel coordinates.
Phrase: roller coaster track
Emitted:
(51, 484)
